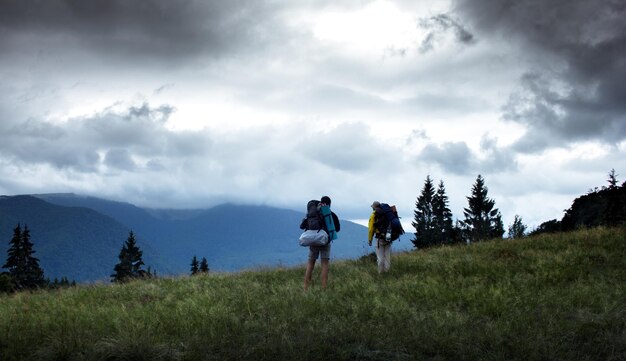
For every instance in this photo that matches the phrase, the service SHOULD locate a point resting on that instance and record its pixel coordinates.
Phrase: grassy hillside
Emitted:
(551, 297)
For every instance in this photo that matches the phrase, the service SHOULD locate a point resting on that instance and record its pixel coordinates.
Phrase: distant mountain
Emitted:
(75, 242)
(231, 237)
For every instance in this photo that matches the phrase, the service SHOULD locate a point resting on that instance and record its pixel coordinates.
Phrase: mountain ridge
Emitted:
(232, 237)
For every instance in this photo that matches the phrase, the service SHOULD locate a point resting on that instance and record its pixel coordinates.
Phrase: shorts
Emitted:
(322, 251)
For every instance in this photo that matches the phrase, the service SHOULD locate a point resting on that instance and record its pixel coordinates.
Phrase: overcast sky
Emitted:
(194, 103)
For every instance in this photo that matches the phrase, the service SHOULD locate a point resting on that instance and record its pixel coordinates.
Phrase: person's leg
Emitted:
(325, 272)
(313, 254)
(324, 259)
(308, 273)
(387, 257)
(380, 256)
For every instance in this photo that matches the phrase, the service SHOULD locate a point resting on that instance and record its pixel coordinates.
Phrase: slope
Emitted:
(75, 242)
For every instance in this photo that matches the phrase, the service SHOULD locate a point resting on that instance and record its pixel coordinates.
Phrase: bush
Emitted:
(6, 283)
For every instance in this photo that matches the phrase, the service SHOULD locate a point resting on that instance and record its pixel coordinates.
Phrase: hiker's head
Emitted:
(375, 205)
(326, 200)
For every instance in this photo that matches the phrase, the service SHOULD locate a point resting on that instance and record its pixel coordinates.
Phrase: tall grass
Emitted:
(551, 297)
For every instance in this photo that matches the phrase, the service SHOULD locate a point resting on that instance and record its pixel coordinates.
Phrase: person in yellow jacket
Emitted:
(377, 227)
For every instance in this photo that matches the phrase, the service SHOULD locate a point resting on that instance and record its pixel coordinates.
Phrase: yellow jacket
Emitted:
(370, 228)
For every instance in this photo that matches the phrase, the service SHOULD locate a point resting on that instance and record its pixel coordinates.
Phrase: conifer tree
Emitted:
(33, 273)
(22, 266)
(612, 179)
(16, 263)
(442, 215)
(482, 220)
(130, 261)
(204, 266)
(517, 229)
(614, 211)
(195, 266)
(424, 220)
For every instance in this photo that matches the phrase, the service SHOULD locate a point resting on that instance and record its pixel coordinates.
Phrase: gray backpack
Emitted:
(314, 218)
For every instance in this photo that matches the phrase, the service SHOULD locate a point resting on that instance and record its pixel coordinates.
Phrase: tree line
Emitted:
(434, 225)
(605, 206)
(131, 263)
(23, 271)
(433, 218)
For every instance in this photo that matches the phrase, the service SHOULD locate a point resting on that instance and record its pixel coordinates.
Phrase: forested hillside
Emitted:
(80, 237)
(78, 243)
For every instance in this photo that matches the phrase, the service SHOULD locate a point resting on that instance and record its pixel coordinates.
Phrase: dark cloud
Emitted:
(438, 26)
(496, 159)
(119, 159)
(453, 157)
(111, 138)
(574, 89)
(458, 158)
(158, 30)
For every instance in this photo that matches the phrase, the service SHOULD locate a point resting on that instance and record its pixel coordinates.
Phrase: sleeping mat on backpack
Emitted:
(330, 225)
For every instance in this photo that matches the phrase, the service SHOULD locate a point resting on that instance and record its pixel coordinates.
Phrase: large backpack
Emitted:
(315, 233)
(314, 218)
(394, 227)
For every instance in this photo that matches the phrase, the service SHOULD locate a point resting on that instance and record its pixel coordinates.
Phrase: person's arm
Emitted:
(370, 229)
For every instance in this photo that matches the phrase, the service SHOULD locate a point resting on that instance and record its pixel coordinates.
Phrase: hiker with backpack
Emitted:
(384, 224)
(320, 222)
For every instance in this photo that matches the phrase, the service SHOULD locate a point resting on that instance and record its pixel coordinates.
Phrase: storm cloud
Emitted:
(438, 26)
(573, 89)
(192, 103)
(459, 159)
(147, 30)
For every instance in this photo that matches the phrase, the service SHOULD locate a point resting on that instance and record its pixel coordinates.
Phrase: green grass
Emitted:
(551, 297)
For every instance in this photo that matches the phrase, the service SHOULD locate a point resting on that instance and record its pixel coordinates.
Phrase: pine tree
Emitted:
(517, 229)
(22, 266)
(34, 277)
(194, 265)
(424, 220)
(16, 263)
(612, 179)
(204, 266)
(614, 211)
(130, 261)
(482, 220)
(442, 215)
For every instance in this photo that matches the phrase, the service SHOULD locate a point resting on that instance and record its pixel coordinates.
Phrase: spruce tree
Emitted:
(16, 262)
(614, 212)
(194, 265)
(130, 261)
(517, 229)
(424, 221)
(23, 268)
(612, 179)
(442, 215)
(204, 266)
(482, 220)
(34, 277)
